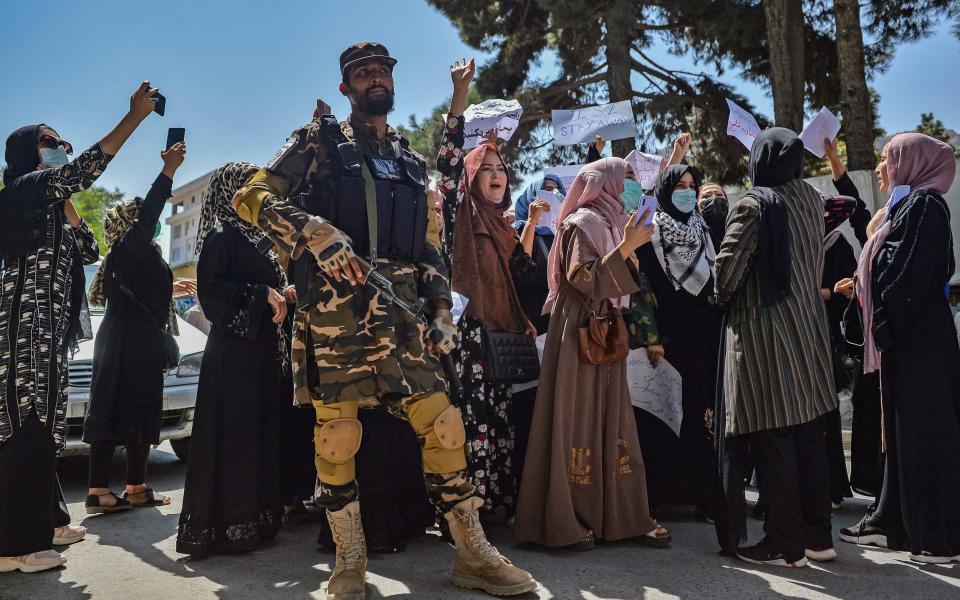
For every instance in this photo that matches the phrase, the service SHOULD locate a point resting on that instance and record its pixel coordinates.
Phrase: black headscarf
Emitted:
(775, 159)
(663, 190)
(21, 153)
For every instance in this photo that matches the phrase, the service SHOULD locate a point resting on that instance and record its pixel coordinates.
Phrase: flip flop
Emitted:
(151, 496)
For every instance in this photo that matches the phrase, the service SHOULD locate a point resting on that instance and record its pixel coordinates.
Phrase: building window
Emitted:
(176, 209)
(175, 255)
(177, 230)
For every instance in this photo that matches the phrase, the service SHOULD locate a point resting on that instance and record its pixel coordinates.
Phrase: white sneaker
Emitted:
(932, 559)
(825, 555)
(68, 534)
(32, 563)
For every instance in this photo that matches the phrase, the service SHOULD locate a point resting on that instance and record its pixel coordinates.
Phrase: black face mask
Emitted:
(378, 106)
(714, 211)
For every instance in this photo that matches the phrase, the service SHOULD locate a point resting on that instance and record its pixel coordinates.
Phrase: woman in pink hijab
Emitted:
(584, 478)
(908, 327)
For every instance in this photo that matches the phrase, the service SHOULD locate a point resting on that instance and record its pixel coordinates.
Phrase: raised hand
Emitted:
(461, 72)
(173, 158)
(636, 233)
(536, 210)
(141, 104)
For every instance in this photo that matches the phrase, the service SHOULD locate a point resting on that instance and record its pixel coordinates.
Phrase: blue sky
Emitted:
(240, 78)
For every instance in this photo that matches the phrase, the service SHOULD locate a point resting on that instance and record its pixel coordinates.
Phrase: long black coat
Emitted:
(126, 393)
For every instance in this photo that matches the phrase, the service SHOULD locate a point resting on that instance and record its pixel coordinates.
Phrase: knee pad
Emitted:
(442, 436)
(338, 440)
(449, 429)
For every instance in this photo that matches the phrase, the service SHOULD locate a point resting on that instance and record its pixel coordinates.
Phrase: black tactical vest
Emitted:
(401, 196)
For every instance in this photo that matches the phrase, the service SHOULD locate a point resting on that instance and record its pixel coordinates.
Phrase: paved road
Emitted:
(131, 556)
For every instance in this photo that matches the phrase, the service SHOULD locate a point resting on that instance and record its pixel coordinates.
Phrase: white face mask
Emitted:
(53, 157)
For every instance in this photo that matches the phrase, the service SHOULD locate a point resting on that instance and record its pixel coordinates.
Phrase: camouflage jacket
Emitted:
(352, 344)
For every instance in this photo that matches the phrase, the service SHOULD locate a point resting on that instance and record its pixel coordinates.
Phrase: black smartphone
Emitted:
(159, 103)
(175, 135)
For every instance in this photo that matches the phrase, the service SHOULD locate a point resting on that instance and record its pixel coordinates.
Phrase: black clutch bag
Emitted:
(510, 357)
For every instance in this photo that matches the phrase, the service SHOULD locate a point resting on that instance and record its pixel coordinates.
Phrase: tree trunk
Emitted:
(785, 41)
(620, 20)
(854, 93)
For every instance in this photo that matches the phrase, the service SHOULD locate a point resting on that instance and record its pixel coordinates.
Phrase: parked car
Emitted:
(179, 386)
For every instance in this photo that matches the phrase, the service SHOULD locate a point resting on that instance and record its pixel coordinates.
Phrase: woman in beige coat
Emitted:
(584, 472)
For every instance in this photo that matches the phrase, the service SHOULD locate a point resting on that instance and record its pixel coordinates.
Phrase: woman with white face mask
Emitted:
(44, 244)
(678, 263)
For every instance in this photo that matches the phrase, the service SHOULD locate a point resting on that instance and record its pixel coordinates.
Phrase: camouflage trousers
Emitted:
(436, 424)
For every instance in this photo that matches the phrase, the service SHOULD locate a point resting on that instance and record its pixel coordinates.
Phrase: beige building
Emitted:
(183, 221)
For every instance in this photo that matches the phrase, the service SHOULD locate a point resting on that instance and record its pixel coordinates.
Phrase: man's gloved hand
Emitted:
(337, 260)
(442, 334)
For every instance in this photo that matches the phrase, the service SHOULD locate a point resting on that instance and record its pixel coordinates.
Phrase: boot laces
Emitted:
(348, 536)
(478, 540)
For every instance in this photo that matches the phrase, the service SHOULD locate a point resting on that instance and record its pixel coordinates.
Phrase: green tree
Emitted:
(932, 126)
(92, 205)
(601, 53)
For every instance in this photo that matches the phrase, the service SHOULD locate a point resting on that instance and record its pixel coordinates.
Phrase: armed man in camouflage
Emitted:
(350, 343)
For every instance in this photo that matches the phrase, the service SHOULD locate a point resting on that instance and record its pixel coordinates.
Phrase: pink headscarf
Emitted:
(919, 161)
(598, 187)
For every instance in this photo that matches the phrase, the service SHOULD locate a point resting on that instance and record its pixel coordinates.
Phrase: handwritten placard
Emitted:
(611, 121)
(566, 173)
(742, 125)
(646, 167)
(480, 119)
(657, 390)
(824, 126)
(549, 219)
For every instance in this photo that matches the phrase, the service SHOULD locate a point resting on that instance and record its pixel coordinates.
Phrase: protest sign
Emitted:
(611, 121)
(824, 126)
(742, 125)
(566, 173)
(657, 390)
(479, 119)
(549, 219)
(646, 167)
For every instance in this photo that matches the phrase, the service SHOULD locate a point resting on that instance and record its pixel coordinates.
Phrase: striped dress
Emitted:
(776, 368)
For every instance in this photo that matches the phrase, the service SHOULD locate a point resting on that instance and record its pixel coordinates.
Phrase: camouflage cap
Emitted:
(362, 51)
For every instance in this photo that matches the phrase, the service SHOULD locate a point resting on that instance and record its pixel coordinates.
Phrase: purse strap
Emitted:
(116, 279)
(518, 313)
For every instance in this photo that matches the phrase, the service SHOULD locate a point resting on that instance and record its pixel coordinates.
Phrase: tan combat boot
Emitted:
(478, 565)
(347, 580)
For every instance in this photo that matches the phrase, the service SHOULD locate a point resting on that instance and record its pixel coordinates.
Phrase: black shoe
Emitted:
(766, 553)
(864, 533)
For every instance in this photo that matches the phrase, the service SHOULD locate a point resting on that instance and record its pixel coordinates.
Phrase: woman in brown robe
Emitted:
(584, 471)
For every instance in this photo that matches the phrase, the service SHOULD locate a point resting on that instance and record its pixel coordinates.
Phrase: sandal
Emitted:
(658, 538)
(93, 506)
(152, 499)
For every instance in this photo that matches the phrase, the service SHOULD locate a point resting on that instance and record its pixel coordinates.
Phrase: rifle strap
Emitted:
(370, 191)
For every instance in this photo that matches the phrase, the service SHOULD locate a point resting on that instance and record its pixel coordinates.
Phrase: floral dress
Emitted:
(485, 406)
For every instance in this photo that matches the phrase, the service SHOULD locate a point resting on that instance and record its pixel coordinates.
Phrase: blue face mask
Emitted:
(631, 195)
(53, 157)
(685, 200)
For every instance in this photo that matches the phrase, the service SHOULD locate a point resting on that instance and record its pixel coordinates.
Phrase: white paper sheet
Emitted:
(742, 125)
(566, 173)
(502, 115)
(659, 391)
(459, 306)
(824, 126)
(549, 219)
(646, 167)
(611, 121)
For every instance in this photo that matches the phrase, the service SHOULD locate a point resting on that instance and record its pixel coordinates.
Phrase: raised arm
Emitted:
(845, 187)
(450, 153)
(161, 189)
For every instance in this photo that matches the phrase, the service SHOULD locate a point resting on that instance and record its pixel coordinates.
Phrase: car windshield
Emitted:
(89, 272)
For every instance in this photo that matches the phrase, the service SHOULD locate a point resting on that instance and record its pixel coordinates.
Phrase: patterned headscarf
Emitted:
(218, 209)
(116, 223)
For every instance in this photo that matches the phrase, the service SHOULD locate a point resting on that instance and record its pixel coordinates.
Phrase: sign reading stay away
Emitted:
(611, 121)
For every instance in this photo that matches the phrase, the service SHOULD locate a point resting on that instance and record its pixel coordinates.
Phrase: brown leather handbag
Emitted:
(602, 338)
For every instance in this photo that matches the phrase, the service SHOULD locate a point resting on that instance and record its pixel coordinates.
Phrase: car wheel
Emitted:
(181, 448)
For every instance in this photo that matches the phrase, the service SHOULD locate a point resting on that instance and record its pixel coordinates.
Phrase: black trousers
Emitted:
(31, 500)
(101, 455)
(836, 459)
(796, 485)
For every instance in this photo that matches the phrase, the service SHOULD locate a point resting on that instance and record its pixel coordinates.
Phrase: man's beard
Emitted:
(375, 106)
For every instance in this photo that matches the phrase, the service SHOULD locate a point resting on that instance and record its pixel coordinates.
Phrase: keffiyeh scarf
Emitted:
(685, 251)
